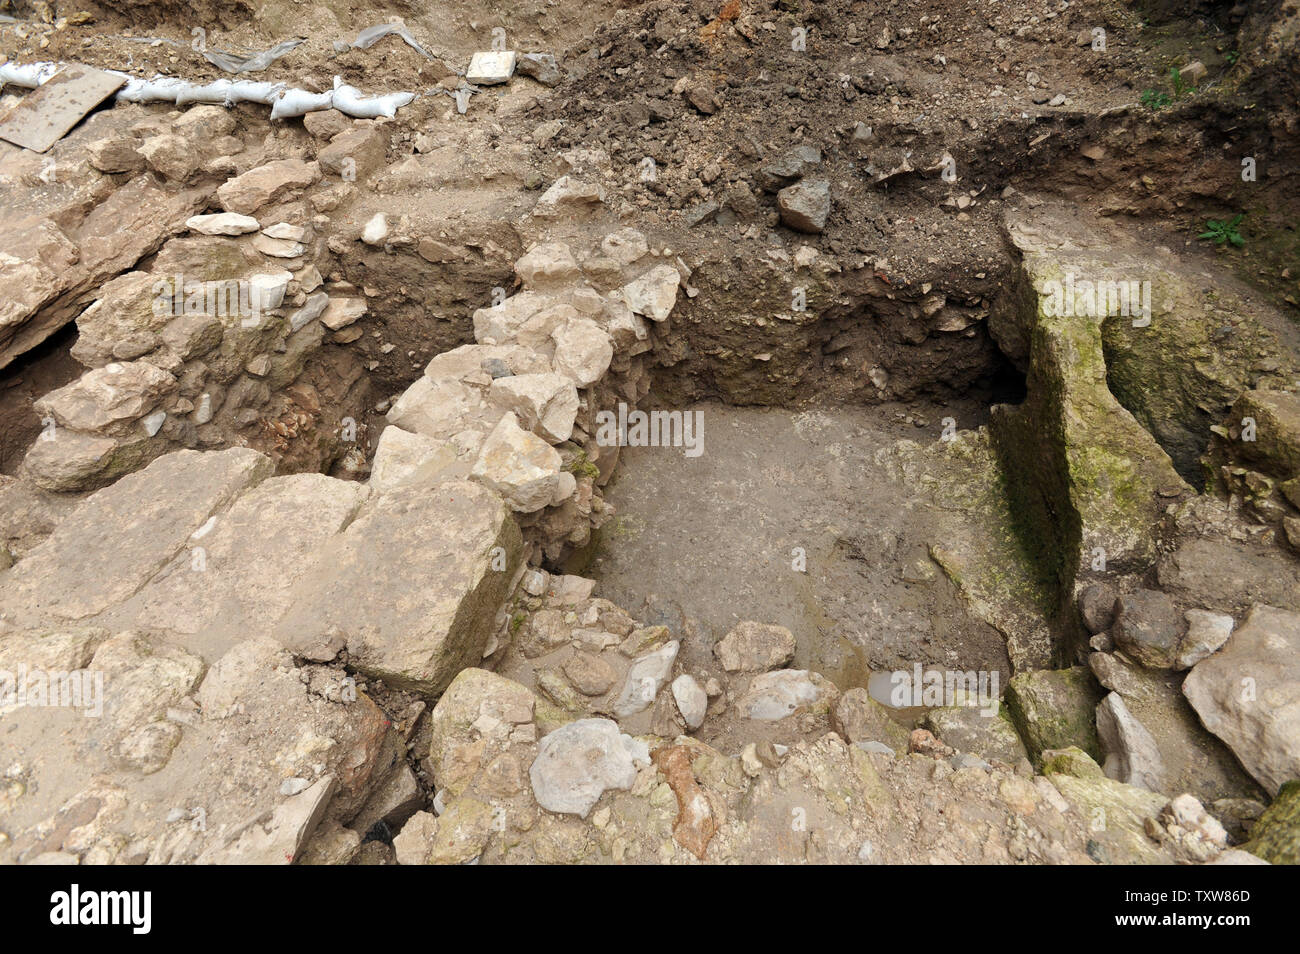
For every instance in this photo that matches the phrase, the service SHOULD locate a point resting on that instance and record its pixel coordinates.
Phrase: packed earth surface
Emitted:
(670, 432)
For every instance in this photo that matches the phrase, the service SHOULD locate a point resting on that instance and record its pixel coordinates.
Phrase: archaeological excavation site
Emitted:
(650, 432)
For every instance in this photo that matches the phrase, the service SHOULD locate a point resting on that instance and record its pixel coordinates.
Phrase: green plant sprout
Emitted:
(1224, 232)
(1155, 100)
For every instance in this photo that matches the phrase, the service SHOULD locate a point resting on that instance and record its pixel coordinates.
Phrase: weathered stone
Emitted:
(774, 695)
(406, 459)
(435, 565)
(1054, 709)
(278, 248)
(549, 263)
(238, 571)
(222, 223)
(121, 536)
(692, 701)
(696, 822)
(394, 800)
(755, 647)
(653, 294)
(247, 193)
(172, 157)
(70, 461)
(326, 123)
(115, 155)
(579, 762)
(789, 168)
(522, 467)
(590, 675)
(1276, 836)
(1193, 830)
(582, 351)
(568, 196)
(355, 154)
(805, 206)
(1148, 628)
(104, 399)
(413, 843)
(540, 66)
(546, 404)
(1119, 814)
(1248, 694)
(436, 409)
(1097, 607)
(341, 312)
(974, 729)
(645, 677)
(625, 246)
(1276, 444)
(468, 363)
(1132, 755)
(1206, 634)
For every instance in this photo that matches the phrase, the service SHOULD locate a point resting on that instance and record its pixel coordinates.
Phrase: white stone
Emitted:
(1132, 755)
(286, 232)
(625, 246)
(491, 67)
(775, 695)
(341, 312)
(692, 702)
(222, 223)
(436, 408)
(521, 467)
(546, 404)
(1206, 634)
(583, 351)
(645, 677)
(579, 762)
(266, 290)
(566, 196)
(278, 248)
(550, 262)
(376, 230)
(655, 293)
(407, 459)
(1262, 726)
(312, 309)
(154, 422)
(203, 413)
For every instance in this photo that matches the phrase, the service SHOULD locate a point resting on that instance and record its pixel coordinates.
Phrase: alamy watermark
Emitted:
(1098, 299)
(64, 689)
(248, 300)
(634, 428)
(934, 688)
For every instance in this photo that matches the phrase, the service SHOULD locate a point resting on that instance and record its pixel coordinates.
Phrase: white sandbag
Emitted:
(353, 102)
(297, 102)
(27, 75)
(216, 93)
(251, 91)
(160, 89)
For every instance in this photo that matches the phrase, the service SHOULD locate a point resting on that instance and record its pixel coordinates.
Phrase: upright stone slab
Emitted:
(412, 587)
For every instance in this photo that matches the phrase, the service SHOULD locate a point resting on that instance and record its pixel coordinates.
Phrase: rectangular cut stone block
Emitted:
(412, 587)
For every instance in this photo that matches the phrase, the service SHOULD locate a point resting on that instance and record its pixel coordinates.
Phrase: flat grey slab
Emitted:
(47, 113)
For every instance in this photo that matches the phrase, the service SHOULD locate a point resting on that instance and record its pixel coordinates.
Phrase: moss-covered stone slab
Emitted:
(1054, 709)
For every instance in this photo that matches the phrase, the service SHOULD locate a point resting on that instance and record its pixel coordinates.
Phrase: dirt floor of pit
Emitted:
(722, 532)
